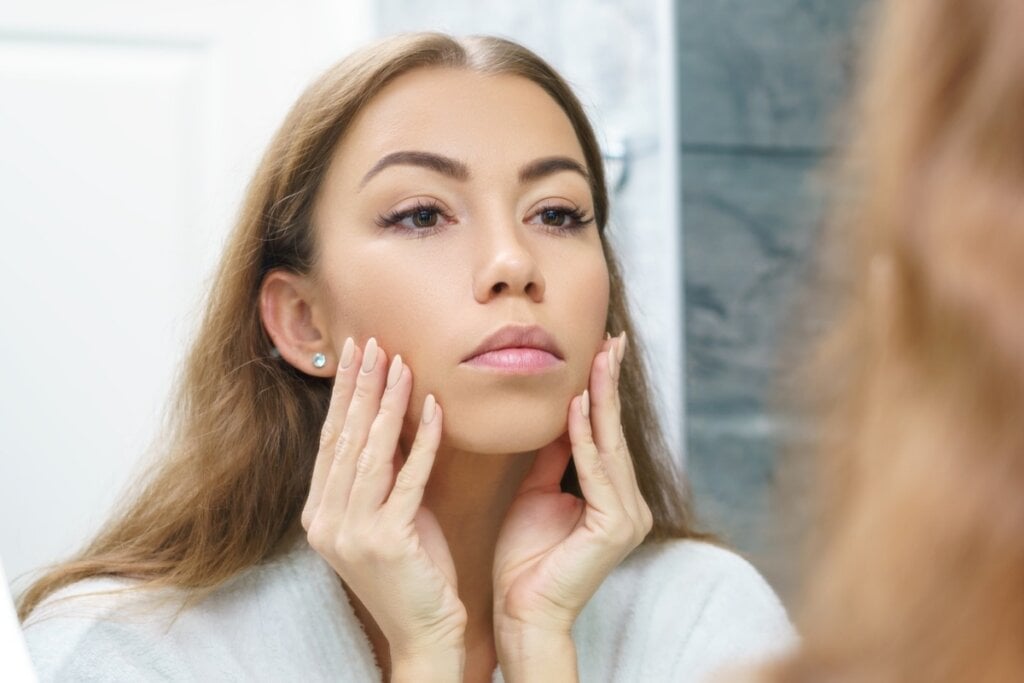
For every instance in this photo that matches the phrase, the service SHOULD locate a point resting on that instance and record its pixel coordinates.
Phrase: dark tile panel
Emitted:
(767, 73)
(749, 223)
(755, 499)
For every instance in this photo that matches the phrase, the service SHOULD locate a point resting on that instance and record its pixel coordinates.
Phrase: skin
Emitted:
(452, 537)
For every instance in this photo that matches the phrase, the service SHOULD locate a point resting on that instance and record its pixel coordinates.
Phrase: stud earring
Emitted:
(319, 360)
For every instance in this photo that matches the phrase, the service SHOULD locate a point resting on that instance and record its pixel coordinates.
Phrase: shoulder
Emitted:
(681, 609)
(712, 581)
(286, 616)
(96, 627)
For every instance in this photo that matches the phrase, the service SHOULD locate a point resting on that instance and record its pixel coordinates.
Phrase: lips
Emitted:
(518, 337)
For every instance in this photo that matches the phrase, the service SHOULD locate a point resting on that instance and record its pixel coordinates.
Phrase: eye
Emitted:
(552, 217)
(422, 219)
(564, 218)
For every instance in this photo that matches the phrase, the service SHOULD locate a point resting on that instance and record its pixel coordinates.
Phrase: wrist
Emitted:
(530, 654)
(439, 666)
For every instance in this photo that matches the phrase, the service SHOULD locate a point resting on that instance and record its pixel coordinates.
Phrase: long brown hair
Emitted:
(920, 575)
(238, 459)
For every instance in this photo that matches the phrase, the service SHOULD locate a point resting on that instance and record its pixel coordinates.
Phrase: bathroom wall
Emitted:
(758, 85)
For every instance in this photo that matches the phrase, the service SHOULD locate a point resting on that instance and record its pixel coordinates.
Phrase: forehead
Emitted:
(481, 119)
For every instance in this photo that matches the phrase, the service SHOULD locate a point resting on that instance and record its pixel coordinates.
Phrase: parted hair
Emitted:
(227, 487)
(920, 381)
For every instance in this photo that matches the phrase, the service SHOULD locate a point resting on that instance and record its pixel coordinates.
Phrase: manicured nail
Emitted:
(613, 356)
(395, 371)
(585, 403)
(347, 352)
(428, 409)
(370, 355)
(622, 346)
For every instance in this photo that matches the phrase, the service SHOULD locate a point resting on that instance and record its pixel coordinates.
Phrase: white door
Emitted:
(127, 133)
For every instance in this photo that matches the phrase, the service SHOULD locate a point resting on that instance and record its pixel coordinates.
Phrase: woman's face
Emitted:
(457, 204)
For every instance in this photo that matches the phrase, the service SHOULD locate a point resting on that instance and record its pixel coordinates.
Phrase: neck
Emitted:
(470, 493)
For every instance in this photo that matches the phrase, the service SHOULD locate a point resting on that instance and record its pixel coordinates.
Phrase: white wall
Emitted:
(127, 136)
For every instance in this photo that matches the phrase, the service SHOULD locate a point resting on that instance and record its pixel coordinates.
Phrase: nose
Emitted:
(506, 266)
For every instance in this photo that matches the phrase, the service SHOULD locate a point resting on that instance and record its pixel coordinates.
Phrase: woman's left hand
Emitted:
(555, 549)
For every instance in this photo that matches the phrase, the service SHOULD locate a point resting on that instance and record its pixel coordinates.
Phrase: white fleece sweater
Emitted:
(675, 611)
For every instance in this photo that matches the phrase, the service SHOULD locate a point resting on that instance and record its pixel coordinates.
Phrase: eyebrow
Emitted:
(454, 168)
(435, 162)
(548, 166)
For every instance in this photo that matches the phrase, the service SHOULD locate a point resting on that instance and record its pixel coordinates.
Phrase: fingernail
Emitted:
(370, 355)
(607, 335)
(428, 408)
(613, 356)
(585, 403)
(622, 347)
(347, 352)
(395, 371)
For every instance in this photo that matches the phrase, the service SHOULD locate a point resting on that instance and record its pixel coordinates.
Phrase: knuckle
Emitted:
(621, 445)
(327, 435)
(349, 549)
(406, 481)
(343, 445)
(599, 471)
(366, 548)
(318, 535)
(364, 464)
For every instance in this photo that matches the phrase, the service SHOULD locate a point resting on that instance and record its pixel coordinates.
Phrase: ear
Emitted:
(295, 322)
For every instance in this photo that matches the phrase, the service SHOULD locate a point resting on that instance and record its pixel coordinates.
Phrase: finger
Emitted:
(603, 398)
(595, 482)
(622, 345)
(549, 465)
(376, 462)
(407, 493)
(341, 395)
(362, 410)
(606, 422)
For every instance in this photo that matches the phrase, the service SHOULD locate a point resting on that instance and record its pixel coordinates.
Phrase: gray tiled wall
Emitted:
(759, 82)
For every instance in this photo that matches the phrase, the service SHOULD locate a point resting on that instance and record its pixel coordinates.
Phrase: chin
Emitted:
(504, 429)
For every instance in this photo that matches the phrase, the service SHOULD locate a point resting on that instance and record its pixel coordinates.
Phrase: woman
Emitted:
(475, 477)
(920, 570)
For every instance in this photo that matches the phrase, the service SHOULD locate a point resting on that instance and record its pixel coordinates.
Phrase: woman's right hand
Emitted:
(364, 512)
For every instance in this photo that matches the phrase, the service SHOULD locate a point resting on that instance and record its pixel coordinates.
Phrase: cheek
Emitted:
(596, 293)
(584, 297)
(576, 309)
(406, 305)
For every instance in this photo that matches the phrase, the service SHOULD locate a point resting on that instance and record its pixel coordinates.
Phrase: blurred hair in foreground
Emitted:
(918, 387)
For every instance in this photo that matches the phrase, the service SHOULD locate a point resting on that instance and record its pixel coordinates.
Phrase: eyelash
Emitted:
(576, 214)
(393, 220)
